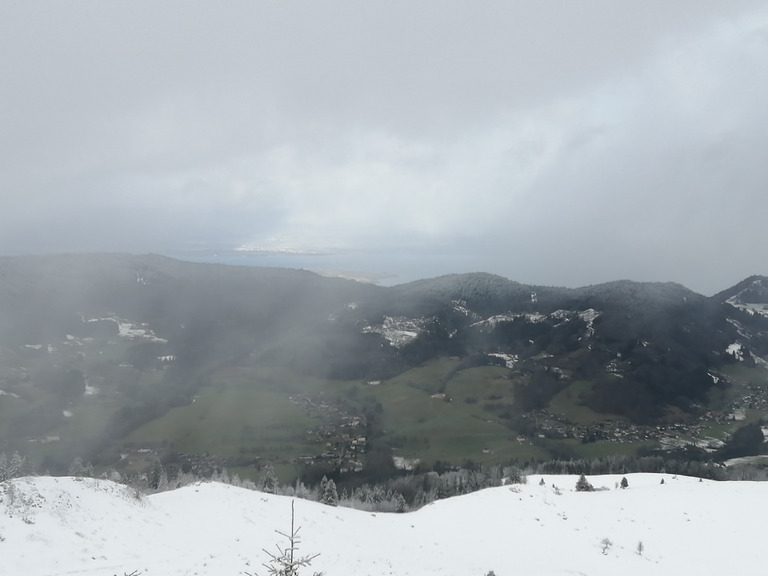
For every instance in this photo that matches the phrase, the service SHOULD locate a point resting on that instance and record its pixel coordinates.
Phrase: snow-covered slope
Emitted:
(56, 526)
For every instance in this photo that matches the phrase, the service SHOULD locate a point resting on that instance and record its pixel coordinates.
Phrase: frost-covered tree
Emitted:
(80, 468)
(330, 496)
(268, 481)
(157, 477)
(11, 467)
(300, 490)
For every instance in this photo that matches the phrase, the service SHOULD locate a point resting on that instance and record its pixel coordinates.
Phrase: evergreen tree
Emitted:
(583, 485)
(400, 503)
(268, 482)
(330, 496)
(624, 483)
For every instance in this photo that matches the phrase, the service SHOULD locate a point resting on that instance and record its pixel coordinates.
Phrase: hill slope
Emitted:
(55, 526)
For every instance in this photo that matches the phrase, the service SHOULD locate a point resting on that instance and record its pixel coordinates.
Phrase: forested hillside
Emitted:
(127, 360)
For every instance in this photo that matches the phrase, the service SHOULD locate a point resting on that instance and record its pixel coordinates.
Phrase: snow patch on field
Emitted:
(131, 330)
(736, 351)
(509, 359)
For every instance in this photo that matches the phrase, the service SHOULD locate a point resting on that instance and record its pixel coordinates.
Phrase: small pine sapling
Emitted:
(287, 562)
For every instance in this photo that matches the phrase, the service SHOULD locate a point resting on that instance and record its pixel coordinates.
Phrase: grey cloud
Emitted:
(552, 142)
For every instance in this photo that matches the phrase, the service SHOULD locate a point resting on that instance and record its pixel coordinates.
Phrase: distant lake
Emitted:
(384, 268)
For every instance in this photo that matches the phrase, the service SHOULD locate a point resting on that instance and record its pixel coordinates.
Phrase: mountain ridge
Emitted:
(154, 335)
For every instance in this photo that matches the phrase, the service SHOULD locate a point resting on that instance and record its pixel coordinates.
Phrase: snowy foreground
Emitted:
(57, 526)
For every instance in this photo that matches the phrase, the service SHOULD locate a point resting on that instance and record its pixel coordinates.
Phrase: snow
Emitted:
(509, 359)
(54, 526)
(589, 316)
(533, 318)
(752, 308)
(131, 331)
(398, 330)
(736, 351)
(405, 463)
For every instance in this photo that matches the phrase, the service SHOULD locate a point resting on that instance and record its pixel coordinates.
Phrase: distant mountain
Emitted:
(151, 333)
(646, 345)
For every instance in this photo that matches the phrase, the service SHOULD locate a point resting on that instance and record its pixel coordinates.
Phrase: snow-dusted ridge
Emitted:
(398, 330)
(741, 301)
(130, 330)
(54, 526)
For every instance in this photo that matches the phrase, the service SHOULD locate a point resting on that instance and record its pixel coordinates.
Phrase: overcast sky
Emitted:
(552, 142)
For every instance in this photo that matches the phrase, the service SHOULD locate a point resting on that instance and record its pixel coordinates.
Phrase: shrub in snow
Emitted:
(606, 544)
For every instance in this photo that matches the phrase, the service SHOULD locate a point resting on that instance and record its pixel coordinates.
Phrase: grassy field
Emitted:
(259, 412)
(567, 402)
(248, 413)
(238, 415)
(456, 427)
(430, 413)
